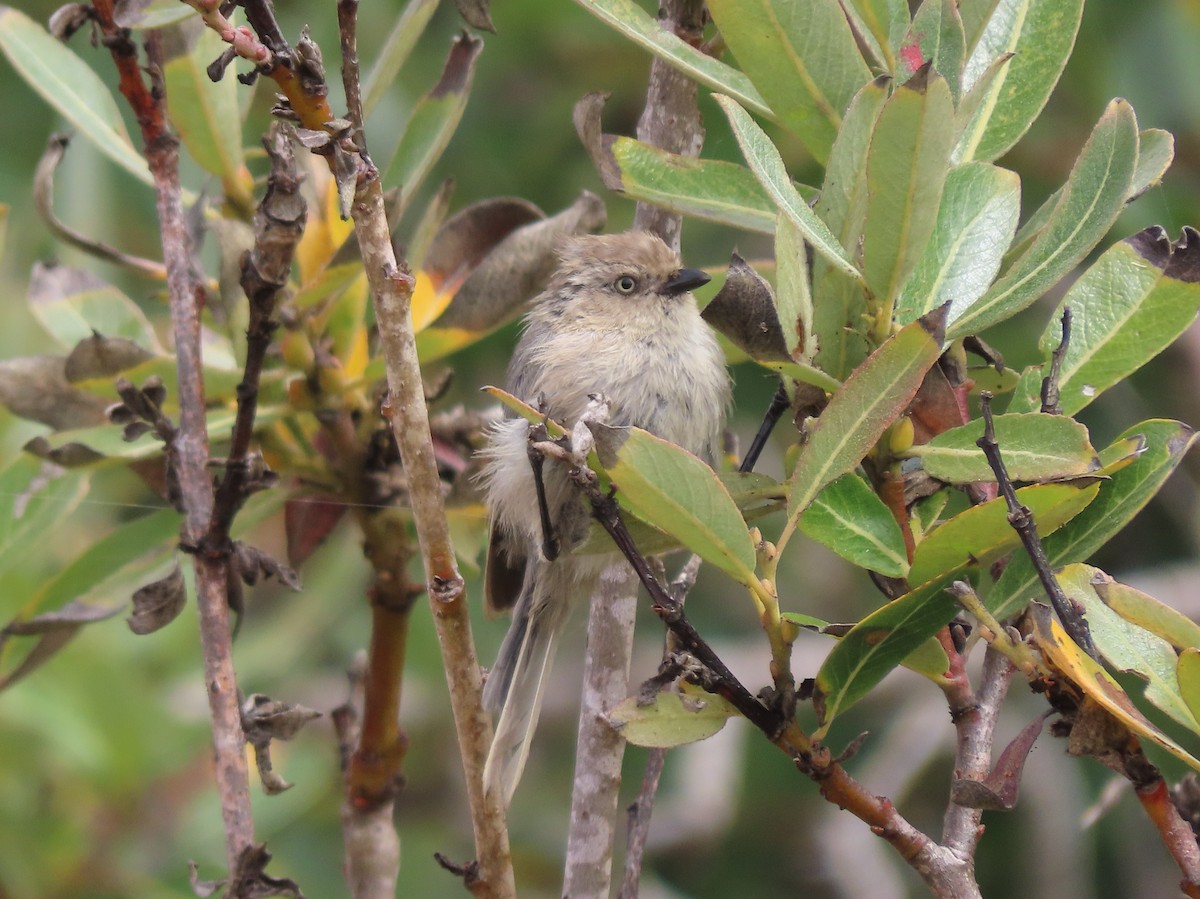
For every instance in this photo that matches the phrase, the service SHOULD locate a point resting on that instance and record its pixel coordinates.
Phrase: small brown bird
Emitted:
(616, 319)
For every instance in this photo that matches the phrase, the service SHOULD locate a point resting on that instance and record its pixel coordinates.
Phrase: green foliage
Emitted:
(910, 245)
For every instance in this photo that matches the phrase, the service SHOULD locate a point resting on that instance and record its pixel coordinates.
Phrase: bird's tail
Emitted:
(517, 682)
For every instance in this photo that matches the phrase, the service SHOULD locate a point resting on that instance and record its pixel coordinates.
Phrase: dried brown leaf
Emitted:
(157, 604)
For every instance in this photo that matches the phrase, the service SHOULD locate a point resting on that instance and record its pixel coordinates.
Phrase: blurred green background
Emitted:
(105, 788)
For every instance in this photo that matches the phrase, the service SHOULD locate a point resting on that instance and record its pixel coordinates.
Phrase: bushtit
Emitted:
(616, 319)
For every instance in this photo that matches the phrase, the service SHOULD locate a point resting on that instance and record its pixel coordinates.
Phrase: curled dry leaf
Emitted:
(251, 881)
(744, 311)
(252, 563)
(265, 719)
(202, 888)
(157, 604)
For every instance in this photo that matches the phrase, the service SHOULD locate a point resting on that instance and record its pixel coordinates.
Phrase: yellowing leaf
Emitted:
(430, 299)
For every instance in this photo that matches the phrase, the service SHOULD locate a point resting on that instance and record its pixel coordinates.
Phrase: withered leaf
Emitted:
(252, 562)
(36, 387)
(157, 604)
(307, 521)
(202, 888)
(476, 14)
(69, 455)
(250, 880)
(265, 719)
(101, 357)
(998, 792)
(744, 311)
(461, 243)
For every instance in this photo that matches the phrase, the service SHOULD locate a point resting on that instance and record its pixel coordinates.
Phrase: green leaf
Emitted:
(881, 25)
(1149, 614)
(928, 659)
(435, 118)
(71, 304)
(842, 202)
(671, 489)
(767, 166)
(1187, 670)
(1096, 191)
(840, 301)
(802, 57)
(866, 405)
(1156, 151)
(877, 644)
(906, 169)
(1064, 656)
(67, 83)
(206, 113)
(1121, 497)
(936, 35)
(1132, 304)
(982, 534)
(848, 518)
(637, 25)
(32, 503)
(1040, 34)
(805, 374)
(155, 14)
(1035, 446)
(395, 51)
(976, 219)
(155, 533)
(755, 495)
(1126, 647)
(793, 298)
(672, 719)
(706, 188)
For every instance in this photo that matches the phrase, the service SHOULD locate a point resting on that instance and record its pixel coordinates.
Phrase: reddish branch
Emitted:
(191, 445)
(1177, 835)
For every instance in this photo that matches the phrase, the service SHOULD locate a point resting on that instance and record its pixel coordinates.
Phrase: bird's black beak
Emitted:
(685, 279)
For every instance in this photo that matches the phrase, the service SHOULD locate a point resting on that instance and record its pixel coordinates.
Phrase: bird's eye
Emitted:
(625, 284)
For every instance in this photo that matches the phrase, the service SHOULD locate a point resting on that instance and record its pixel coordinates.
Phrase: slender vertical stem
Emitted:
(190, 447)
(391, 292)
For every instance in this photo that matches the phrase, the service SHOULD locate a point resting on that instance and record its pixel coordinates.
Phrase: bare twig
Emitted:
(779, 405)
(600, 748)
(191, 443)
(1022, 522)
(974, 716)
(638, 823)
(1050, 395)
(670, 118)
(279, 223)
(391, 292)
